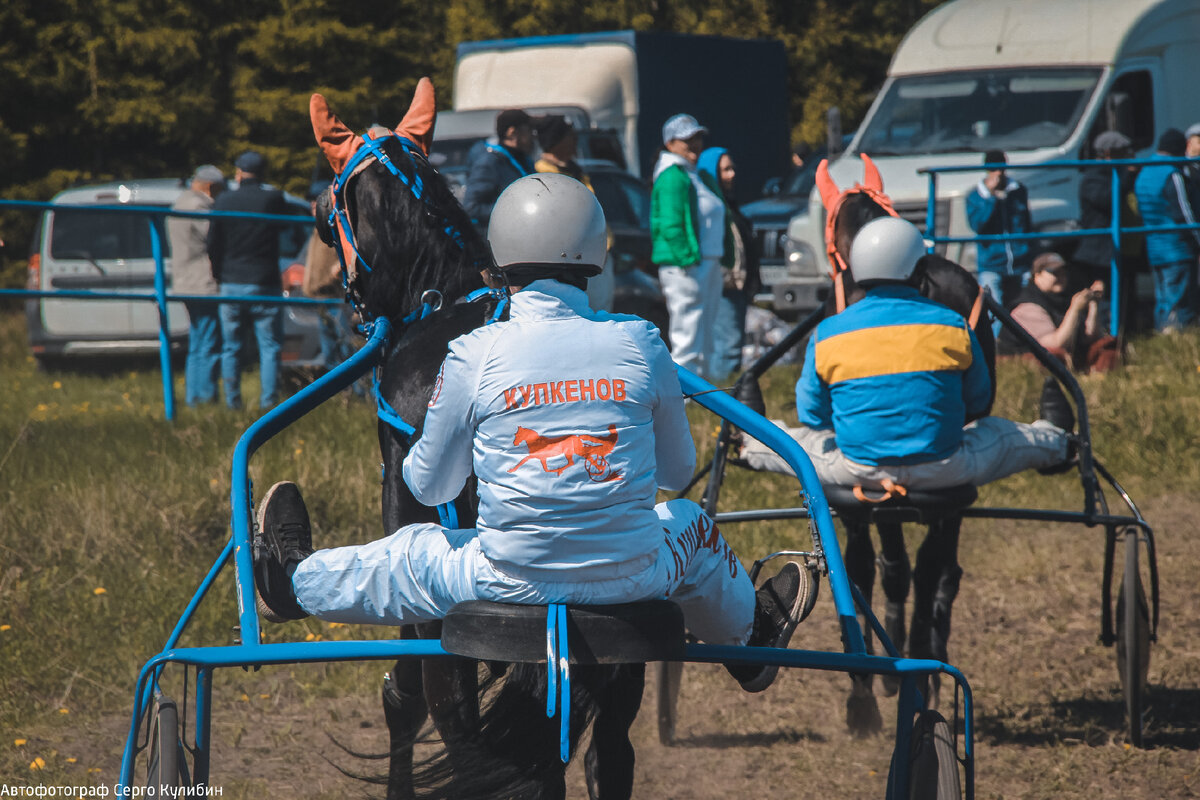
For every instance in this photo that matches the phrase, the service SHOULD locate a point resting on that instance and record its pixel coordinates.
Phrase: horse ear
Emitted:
(829, 190)
(418, 122)
(871, 177)
(337, 142)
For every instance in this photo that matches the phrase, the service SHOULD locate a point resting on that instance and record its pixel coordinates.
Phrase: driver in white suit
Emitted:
(571, 419)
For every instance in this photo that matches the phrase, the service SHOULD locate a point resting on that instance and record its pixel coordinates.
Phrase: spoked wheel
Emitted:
(166, 769)
(933, 764)
(1133, 638)
(670, 678)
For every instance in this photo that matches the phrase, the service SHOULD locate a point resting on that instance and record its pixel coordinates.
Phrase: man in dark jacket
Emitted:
(1163, 199)
(245, 260)
(495, 166)
(999, 205)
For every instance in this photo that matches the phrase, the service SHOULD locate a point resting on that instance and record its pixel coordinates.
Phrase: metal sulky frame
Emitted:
(930, 746)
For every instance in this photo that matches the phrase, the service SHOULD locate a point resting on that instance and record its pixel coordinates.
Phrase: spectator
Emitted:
(495, 166)
(1163, 199)
(192, 273)
(323, 280)
(740, 280)
(1000, 205)
(1066, 325)
(688, 233)
(1192, 150)
(1094, 253)
(245, 259)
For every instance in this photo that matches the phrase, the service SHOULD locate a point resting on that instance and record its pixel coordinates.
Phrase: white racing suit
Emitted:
(570, 419)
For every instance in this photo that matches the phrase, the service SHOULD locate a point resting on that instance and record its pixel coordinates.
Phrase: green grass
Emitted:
(110, 516)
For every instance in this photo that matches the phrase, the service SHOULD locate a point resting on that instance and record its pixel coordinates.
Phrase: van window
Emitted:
(1002, 109)
(96, 235)
(1128, 108)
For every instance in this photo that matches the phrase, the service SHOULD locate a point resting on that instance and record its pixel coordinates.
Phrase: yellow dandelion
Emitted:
(64, 711)
(213, 483)
(1128, 746)
(93, 770)
(19, 742)
(310, 637)
(245, 698)
(99, 590)
(264, 697)
(72, 760)
(57, 384)
(43, 407)
(5, 628)
(337, 624)
(299, 450)
(37, 763)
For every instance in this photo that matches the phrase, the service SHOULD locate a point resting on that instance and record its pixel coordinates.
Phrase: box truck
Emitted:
(1038, 79)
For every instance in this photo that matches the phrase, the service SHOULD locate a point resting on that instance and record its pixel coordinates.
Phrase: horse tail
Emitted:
(514, 753)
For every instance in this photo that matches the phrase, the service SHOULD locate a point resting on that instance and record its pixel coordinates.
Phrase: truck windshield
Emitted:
(1003, 109)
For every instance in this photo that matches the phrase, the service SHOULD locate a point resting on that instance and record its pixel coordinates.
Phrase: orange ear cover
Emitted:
(337, 142)
(417, 124)
(871, 177)
(829, 190)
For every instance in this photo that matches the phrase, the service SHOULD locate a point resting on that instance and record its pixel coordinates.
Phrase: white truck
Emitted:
(1038, 79)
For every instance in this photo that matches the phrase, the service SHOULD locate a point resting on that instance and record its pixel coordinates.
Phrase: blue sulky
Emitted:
(251, 651)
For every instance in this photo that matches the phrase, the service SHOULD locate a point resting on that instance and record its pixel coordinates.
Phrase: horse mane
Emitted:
(404, 239)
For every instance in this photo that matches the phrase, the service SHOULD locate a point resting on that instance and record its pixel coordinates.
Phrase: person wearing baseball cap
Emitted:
(689, 233)
(1000, 205)
(495, 165)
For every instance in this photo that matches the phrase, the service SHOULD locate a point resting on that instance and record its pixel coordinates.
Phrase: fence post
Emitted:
(164, 331)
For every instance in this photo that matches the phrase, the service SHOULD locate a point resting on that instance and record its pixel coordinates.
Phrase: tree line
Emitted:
(109, 89)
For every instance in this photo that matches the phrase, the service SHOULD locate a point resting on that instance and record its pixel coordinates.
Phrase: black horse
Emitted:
(936, 577)
(408, 245)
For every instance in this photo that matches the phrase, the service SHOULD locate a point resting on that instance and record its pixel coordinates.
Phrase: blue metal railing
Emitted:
(161, 296)
(1114, 231)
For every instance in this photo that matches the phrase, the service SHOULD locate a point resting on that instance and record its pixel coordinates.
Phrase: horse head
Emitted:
(397, 226)
(846, 212)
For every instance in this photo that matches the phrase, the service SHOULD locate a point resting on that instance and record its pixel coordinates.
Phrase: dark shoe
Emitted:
(779, 606)
(282, 540)
(1054, 406)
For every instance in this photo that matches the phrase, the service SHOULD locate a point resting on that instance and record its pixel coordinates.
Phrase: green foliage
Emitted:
(150, 88)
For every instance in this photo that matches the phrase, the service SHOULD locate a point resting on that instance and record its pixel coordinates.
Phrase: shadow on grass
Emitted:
(1172, 719)
(723, 740)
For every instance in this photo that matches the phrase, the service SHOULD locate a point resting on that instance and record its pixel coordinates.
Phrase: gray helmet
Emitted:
(549, 219)
(886, 249)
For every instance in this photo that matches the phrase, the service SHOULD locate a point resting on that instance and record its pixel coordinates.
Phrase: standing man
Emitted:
(494, 167)
(1000, 205)
(245, 260)
(1162, 196)
(192, 273)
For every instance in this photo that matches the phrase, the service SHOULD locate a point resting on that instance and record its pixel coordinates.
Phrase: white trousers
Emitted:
(421, 570)
(991, 449)
(692, 294)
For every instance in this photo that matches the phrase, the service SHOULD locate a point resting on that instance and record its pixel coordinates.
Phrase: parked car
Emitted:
(103, 251)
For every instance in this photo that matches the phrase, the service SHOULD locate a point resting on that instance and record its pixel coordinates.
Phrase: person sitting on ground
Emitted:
(515, 400)
(888, 384)
(1067, 326)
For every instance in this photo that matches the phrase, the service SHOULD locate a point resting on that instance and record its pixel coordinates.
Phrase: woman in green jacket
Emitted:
(688, 234)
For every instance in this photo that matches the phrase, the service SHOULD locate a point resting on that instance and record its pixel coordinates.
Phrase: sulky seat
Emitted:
(916, 505)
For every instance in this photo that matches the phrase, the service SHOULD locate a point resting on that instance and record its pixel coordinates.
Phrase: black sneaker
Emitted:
(1054, 407)
(282, 540)
(778, 608)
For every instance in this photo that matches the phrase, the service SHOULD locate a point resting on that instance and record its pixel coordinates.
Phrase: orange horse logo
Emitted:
(590, 449)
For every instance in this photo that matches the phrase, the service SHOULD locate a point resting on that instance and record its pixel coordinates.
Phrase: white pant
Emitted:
(419, 572)
(692, 294)
(991, 449)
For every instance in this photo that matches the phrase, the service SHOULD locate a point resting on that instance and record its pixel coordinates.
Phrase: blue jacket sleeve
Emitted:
(981, 209)
(977, 383)
(814, 404)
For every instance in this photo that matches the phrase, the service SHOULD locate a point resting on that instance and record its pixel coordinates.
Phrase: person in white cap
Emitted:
(557, 402)
(690, 240)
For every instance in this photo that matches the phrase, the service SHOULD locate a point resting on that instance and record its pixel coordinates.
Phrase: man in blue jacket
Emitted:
(1000, 205)
(1162, 195)
(494, 166)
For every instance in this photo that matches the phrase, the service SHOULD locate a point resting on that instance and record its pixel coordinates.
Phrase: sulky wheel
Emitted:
(933, 764)
(166, 769)
(1133, 638)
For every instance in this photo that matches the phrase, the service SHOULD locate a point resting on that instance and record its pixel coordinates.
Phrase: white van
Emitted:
(1038, 79)
(111, 252)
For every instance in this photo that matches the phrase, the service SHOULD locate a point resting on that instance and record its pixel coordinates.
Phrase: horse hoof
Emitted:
(891, 685)
(862, 713)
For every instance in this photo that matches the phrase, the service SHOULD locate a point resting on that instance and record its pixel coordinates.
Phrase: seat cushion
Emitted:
(628, 633)
(916, 505)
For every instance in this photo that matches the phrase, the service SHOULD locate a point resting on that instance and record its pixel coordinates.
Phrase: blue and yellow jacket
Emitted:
(895, 376)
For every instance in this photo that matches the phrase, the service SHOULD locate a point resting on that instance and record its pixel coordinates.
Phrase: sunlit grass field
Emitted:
(110, 516)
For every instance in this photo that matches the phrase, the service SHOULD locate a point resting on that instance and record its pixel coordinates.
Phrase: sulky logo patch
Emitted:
(591, 450)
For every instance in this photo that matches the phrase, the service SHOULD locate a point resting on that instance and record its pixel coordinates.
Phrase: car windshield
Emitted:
(800, 184)
(624, 200)
(98, 236)
(1003, 109)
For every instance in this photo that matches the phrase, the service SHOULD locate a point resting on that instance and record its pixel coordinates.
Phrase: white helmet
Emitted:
(886, 249)
(549, 219)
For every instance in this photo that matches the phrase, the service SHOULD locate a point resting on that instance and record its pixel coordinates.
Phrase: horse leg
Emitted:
(896, 576)
(935, 585)
(608, 764)
(452, 693)
(405, 711)
(862, 711)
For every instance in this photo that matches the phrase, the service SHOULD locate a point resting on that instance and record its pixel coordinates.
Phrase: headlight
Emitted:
(801, 260)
